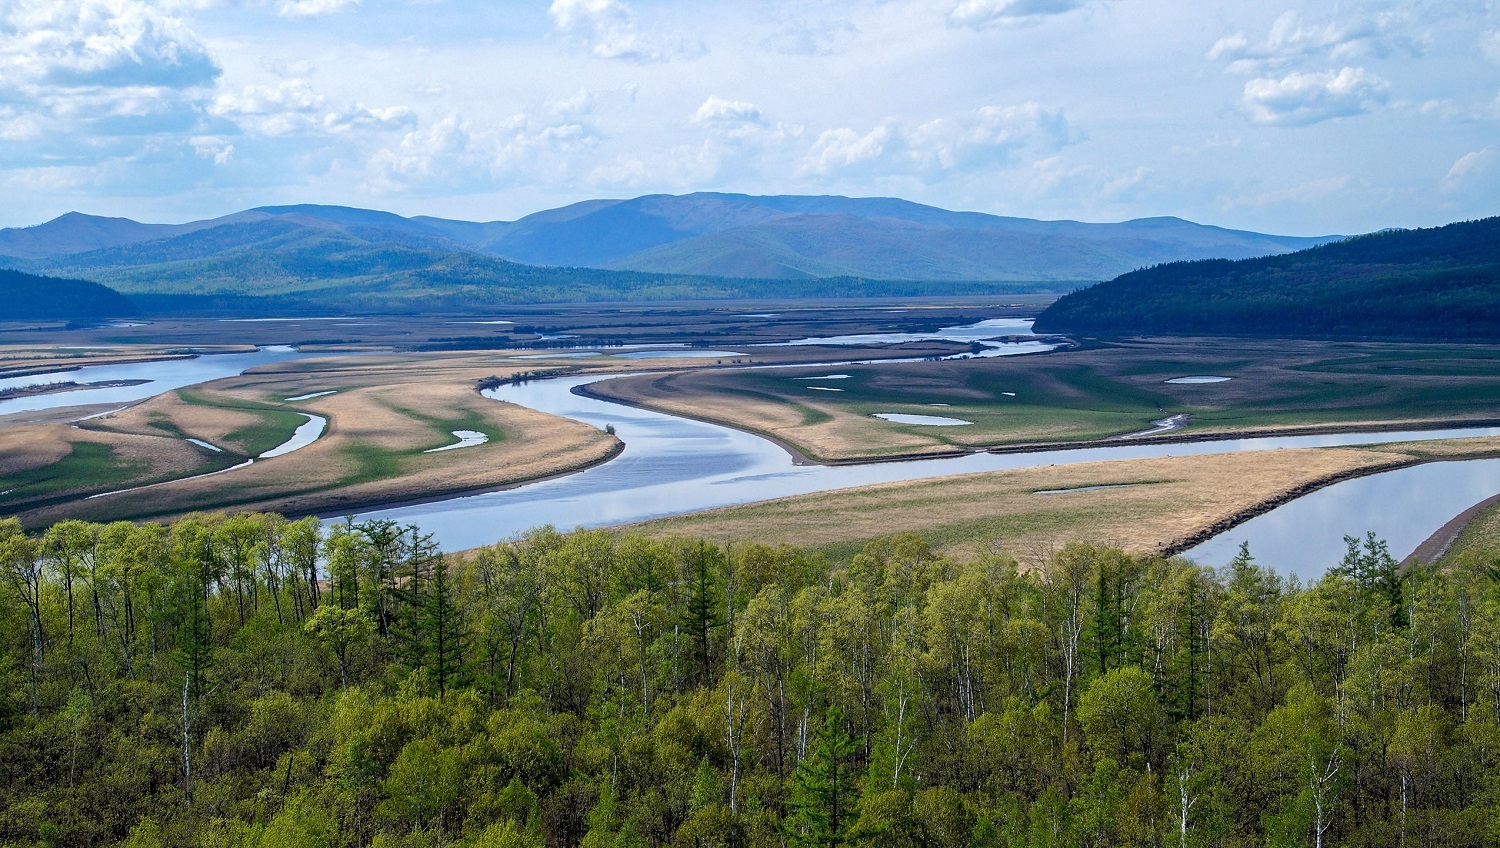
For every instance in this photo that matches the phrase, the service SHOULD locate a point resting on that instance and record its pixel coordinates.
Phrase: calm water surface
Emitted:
(1403, 507)
(162, 376)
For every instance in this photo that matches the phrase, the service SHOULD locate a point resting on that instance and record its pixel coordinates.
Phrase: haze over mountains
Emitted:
(285, 250)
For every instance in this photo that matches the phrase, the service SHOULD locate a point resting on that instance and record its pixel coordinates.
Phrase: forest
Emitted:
(248, 680)
(1442, 282)
(27, 297)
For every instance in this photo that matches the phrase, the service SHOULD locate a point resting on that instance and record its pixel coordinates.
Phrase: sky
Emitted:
(1281, 116)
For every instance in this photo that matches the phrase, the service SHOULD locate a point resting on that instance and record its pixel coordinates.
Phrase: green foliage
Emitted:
(823, 798)
(201, 684)
(28, 297)
(1437, 283)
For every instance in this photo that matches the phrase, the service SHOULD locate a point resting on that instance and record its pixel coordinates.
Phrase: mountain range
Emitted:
(660, 245)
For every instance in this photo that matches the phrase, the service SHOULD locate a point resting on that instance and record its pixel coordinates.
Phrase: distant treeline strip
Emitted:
(1414, 284)
(29, 297)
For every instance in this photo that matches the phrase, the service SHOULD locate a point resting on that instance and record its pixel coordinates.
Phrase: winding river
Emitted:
(674, 465)
(159, 376)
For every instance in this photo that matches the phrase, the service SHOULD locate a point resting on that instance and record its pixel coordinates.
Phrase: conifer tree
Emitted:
(443, 631)
(824, 800)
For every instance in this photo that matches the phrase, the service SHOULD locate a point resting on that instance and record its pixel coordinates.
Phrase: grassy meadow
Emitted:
(1144, 506)
(1087, 395)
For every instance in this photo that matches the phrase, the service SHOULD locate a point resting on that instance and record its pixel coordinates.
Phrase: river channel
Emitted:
(674, 465)
(159, 376)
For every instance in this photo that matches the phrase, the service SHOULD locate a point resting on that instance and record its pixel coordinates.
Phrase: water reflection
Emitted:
(1403, 507)
(161, 376)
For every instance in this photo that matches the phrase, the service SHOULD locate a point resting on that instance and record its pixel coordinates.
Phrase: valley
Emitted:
(810, 377)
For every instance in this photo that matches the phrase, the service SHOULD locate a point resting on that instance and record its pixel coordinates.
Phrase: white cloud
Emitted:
(456, 155)
(717, 110)
(842, 148)
(1127, 186)
(1303, 194)
(610, 29)
(293, 108)
(86, 80)
(977, 139)
(1291, 41)
(71, 44)
(1299, 99)
(987, 135)
(1489, 45)
(983, 13)
(678, 168)
(1474, 174)
(217, 148)
(797, 37)
(314, 8)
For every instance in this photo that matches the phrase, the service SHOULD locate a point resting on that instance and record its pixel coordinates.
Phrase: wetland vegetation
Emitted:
(1105, 390)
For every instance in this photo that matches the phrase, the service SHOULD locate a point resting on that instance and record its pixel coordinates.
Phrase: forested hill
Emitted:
(1440, 282)
(27, 297)
(250, 682)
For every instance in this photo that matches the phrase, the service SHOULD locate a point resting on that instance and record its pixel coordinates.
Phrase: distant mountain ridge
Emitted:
(696, 235)
(1442, 282)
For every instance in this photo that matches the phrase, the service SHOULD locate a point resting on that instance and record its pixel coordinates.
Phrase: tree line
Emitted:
(1406, 284)
(245, 680)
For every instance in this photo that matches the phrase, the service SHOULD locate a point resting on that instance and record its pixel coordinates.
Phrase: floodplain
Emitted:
(394, 391)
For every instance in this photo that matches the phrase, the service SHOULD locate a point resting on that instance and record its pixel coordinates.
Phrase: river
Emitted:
(674, 465)
(160, 376)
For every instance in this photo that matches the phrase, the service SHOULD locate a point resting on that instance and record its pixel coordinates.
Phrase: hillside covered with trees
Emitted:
(28, 297)
(250, 681)
(1435, 283)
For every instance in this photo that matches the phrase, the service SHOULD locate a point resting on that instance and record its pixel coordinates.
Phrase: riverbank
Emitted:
(1089, 396)
(1476, 525)
(1150, 506)
(39, 389)
(384, 413)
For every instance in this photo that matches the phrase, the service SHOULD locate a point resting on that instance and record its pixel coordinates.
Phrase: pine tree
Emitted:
(702, 608)
(443, 632)
(824, 812)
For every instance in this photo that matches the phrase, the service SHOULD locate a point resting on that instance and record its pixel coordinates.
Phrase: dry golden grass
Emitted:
(823, 431)
(25, 448)
(38, 446)
(1454, 448)
(1158, 502)
(386, 412)
(209, 423)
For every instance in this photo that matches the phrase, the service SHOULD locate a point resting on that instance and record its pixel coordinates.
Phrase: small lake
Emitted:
(466, 439)
(1197, 379)
(924, 420)
(308, 432)
(976, 332)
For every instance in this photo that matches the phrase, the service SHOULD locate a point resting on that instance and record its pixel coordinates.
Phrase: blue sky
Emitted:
(1287, 117)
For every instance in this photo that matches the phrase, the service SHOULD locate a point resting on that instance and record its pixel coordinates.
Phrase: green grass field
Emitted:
(1093, 394)
(88, 466)
(276, 423)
